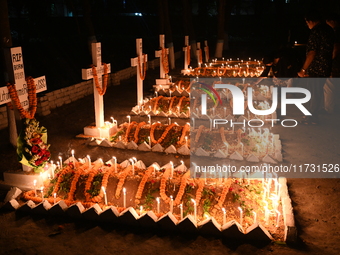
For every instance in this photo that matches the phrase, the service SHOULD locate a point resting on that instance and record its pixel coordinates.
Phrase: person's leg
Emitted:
(329, 93)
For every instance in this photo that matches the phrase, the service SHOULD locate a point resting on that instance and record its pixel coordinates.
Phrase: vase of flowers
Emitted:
(32, 148)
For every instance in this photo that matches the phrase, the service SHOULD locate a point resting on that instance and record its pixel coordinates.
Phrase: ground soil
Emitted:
(315, 201)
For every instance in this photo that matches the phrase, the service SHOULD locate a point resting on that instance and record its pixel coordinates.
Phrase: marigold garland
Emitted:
(142, 69)
(188, 54)
(75, 179)
(143, 182)
(166, 132)
(101, 90)
(122, 176)
(182, 186)
(129, 129)
(105, 181)
(185, 129)
(32, 98)
(156, 103)
(199, 190)
(152, 132)
(92, 172)
(162, 185)
(224, 193)
(137, 131)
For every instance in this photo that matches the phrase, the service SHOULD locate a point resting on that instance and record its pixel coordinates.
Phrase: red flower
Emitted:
(35, 149)
(240, 190)
(236, 181)
(38, 162)
(41, 153)
(153, 181)
(108, 165)
(230, 189)
(35, 140)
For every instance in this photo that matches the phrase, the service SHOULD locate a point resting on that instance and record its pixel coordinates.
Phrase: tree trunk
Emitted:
(6, 43)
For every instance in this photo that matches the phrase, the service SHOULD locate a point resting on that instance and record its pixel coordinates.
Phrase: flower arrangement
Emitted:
(32, 147)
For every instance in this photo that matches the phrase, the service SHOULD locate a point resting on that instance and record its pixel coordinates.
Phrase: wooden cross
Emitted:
(199, 54)
(186, 48)
(139, 62)
(16, 75)
(206, 51)
(158, 54)
(87, 75)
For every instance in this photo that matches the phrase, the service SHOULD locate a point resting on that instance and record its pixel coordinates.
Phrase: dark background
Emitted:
(54, 34)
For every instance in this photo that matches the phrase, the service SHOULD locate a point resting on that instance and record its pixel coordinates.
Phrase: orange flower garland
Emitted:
(165, 60)
(137, 131)
(105, 181)
(166, 132)
(162, 185)
(188, 55)
(143, 181)
(198, 134)
(64, 171)
(171, 102)
(182, 188)
(92, 172)
(156, 103)
(122, 177)
(128, 130)
(101, 90)
(184, 131)
(199, 190)
(32, 98)
(224, 193)
(142, 69)
(74, 182)
(152, 131)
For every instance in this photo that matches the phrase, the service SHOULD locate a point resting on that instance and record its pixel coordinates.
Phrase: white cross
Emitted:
(158, 54)
(87, 74)
(140, 67)
(17, 76)
(186, 48)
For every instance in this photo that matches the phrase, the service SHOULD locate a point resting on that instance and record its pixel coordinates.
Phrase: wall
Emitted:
(57, 98)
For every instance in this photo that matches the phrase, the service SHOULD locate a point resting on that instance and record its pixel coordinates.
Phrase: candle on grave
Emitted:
(225, 111)
(158, 204)
(35, 187)
(42, 192)
(61, 160)
(170, 93)
(169, 121)
(149, 116)
(193, 122)
(104, 192)
(54, 198)
(113, 120)
(115, 163)
(156, 93)
(72, 153)
(241, 215)
(278, 214)
(195, 208)
(124, 197)
(224, 216)
(242, 148)
(133, 166)
(140, 210)
(172, 169)
(255, 217)
(181, 210)
(186, 141)
(171, 204)
(129, 118)
(52, 169)
(88, 160)
(149, 141)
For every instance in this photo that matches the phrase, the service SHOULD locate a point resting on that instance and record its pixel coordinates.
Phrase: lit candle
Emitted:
(181, 210)
(35, 187)
(149, 118)
(61, 161)
(88, 160)
(186, 141)
(169, 121)
(113, 120)
(133, 166)
(124, 197)
(171, 204)
(195, 208)
(115, 162)
(140, 210)
(277, 217)
(224, 216)
(129, 118)
(105, 197)
(255, 216)
(172, 169)
(42, 192)
(54, 198)
(158, 204)
(225, 111)
(72, 153)
(52, 169)
(149, 141)
(241, 215)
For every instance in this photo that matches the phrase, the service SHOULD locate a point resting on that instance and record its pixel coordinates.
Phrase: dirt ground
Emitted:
(315, 201)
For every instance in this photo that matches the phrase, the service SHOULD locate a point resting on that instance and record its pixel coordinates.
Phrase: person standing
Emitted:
(318, 62)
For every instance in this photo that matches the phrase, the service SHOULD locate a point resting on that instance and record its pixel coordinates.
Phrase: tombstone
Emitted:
(102, 129)
(162, 54)
(199, 55)
(186, 50)
(140, 62)
(206, 51)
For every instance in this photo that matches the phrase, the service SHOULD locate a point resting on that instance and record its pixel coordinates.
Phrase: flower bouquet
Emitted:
(32, 148)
